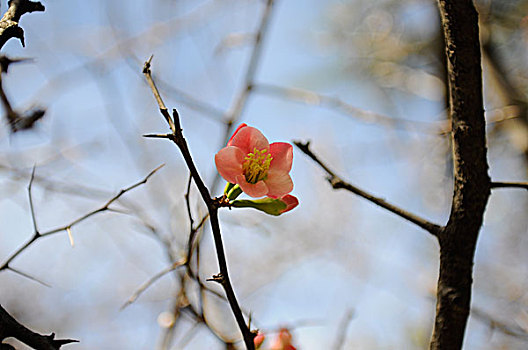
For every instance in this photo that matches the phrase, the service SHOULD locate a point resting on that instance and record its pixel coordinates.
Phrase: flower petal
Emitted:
(253, 190)
(248, 138)
(282, 154)
(236, 131)
(229, 162)
(291, 202)
(279, 183)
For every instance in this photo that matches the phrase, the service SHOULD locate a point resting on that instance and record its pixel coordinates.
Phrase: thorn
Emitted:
(158, 136)
(219, 278)
(70, 236)
(6, 61)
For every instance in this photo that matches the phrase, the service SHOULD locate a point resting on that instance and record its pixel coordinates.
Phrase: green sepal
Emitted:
(270, 206)
(234, 192)
(228, 187)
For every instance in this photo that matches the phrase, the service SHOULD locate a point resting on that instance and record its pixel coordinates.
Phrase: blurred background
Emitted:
(364, 81)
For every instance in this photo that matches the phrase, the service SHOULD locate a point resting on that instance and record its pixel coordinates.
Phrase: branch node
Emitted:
(221, 202)
(146, 66)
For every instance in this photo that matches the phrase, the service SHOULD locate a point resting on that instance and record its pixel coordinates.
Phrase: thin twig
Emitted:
(179, 140)
(152, 85)
(31, 207)
(28, 276)
(163, 109)
(241, 99)
(184, 278)
(105, 207)
(342, 330)
(514, 331)
(207, 110)
(11, 115)
(338, 105)
(237, 108)
(338, 183)
(151, 281)
(181, 262)
(496, 184)
(191, 246)
(188, 202)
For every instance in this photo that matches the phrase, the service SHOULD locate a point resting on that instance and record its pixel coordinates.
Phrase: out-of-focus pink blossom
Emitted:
(259, 339)
(258, 167)
(283, 341)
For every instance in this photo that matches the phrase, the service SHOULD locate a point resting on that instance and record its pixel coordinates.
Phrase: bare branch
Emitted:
(67, 227)
(513, 331)
(343, 326)
(9, 23)
(496, 184)
(16, 120)
(33, 218)
(207, 110)
(338, 105)
(9, 327)
(338, 183)
(151, 281)
(157, 96)
(188, 203)
(236, 110)
(28, 276)
(179, 140)
(240, 101)
(9, 29)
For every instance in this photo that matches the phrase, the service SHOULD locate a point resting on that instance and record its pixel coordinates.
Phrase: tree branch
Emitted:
(212, 207)
(9, 327)
(494, 324)
(236, 110)
(471, 181)
(9, 23)
(334, 103)
(338, 183)
(342, 329)
(9, 29)
(37, 234)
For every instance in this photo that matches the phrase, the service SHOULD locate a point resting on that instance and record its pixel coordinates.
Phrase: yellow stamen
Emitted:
(257, 165)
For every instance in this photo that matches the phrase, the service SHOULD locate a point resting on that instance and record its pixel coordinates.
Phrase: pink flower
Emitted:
(290, 201)
(283, 341)
(259, 168)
